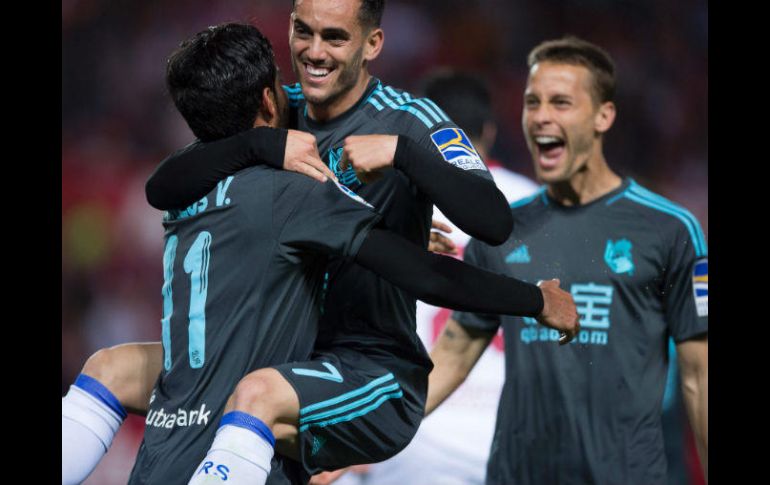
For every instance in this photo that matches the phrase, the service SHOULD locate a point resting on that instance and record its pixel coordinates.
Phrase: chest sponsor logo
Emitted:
(617, 255)
(700, 286)
(456, 148)
(160, 418)
(593, 304)
(346, 177)
(519, 255)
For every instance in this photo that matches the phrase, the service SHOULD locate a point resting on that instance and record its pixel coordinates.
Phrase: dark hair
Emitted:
(369, 13)
(572, 50)
(463, 96)
(216, 79)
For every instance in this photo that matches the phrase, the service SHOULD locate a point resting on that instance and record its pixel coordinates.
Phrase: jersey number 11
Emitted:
(196, 264)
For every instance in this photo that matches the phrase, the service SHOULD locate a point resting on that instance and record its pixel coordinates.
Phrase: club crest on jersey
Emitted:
(700, 286)
(346, 177)
(456, 148)
(352, 194)
(519, 255)
(617, 255)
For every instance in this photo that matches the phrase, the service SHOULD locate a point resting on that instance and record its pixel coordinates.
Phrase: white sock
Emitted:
(88, 426)
(238, 456)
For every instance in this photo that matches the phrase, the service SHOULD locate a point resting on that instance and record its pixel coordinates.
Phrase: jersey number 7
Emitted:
(196, 264)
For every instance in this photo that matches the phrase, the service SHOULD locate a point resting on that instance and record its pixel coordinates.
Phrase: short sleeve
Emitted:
(685, 283)
(455, 147)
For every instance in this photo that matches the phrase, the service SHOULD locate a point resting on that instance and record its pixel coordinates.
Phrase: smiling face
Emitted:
(562, 121)
(329, 52)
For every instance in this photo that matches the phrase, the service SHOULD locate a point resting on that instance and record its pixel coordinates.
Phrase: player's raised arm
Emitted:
(190, 173)
(472, 202)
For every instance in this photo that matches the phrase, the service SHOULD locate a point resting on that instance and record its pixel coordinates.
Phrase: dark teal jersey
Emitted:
(590, 412)
(243, 275)
(363, 311)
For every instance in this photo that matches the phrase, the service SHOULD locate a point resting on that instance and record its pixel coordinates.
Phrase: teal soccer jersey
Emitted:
(243, 276)
(363, 311)
(590, 412)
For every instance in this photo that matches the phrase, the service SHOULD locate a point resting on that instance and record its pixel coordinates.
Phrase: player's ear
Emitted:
(373, 44)
(268, 110)
(605, 116)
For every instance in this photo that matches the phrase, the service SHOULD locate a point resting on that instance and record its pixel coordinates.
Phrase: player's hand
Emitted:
(559, 311)
(301, 156)
(368, 155)
(439, 243)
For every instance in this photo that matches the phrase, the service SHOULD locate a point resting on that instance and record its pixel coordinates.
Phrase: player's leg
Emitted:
(113, 381)
(337, 410)
(354, 410)
(260, 416)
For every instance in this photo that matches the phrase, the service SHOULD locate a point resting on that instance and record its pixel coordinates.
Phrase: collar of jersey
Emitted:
(373, 84)
(607, 198)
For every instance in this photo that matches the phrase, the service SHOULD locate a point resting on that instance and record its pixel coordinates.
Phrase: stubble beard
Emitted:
(346, 81)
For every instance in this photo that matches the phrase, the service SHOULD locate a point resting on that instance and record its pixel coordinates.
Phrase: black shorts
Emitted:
(353, 410)
(285, 471)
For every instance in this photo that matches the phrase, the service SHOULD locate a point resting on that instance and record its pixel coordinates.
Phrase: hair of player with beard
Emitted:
(369, 13)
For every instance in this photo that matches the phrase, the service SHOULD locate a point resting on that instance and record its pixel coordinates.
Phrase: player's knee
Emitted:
(266, 395)
(254, 395)
(100, 367)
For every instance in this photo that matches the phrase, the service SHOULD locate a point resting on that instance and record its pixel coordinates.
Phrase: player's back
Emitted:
(243, 271)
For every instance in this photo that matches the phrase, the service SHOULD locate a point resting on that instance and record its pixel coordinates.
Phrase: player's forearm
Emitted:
(444, 281)
(190, 173)
(693, 364)
(473, 203)
(695, 392)
(454, 354)
(444, 379)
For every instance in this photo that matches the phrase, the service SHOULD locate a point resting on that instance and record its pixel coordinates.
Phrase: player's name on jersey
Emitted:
(159, 418)
(200, 206)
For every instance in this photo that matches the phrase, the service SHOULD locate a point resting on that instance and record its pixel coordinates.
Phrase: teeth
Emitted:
(547, 139)
(317, 71)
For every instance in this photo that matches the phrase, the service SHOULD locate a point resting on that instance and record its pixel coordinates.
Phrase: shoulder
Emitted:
(535, 201)
(405, 113)
(282, 183)
(669, 218)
